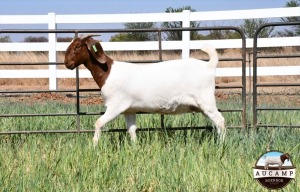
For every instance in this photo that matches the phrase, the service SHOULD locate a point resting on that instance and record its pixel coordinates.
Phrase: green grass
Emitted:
(191, 160)
(178, 161)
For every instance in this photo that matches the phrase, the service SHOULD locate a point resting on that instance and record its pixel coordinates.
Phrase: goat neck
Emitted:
(99, 71)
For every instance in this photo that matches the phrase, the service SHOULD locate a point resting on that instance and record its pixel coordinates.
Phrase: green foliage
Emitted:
(143, 36)
(295, 30)
(250, 26)
(177, 35)
(158, 161)
(36, 39)
(136, 36)
(293, 3)
(64, 39)
(119, 37)
(190, 160)
(223, 34)
(5, 39)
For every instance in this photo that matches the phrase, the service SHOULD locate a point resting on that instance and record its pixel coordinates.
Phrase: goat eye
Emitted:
(77, 47)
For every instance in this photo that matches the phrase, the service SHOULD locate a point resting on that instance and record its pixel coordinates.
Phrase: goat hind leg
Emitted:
(131, 127)
(218, 121)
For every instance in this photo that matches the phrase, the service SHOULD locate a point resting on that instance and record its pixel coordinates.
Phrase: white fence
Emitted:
(185, 45)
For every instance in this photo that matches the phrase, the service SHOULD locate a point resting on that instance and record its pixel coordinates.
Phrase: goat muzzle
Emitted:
(69, 65)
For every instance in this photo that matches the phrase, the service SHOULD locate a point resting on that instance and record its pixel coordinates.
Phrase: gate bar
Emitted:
(255, 57)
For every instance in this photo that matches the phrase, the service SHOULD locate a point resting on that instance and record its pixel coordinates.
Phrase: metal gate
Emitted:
(78, 90)
(257, 85)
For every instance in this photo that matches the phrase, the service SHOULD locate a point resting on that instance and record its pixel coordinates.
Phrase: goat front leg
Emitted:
(108, 116)
(131, 127)
(266, 166)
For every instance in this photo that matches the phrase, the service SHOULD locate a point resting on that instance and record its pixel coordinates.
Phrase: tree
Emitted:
(250, 26)
(136, 36)
(177, 35)
(119, 37)
(35, 39)
(5, 39)
(223, 34)
(295, 30)
(64, 39)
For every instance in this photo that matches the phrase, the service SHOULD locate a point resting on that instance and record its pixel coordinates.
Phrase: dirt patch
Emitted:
(49, 96)
(87, 99)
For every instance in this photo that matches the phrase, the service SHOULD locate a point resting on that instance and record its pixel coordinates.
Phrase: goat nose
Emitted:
(69, 65)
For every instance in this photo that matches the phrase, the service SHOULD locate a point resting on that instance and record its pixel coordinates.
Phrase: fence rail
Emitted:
(151, 17)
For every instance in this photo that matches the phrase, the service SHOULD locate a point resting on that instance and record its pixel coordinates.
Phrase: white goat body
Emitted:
(275, 160)
(169, 87)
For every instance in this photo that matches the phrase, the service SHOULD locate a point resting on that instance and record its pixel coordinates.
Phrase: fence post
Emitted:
(186, 34)
(52, 52)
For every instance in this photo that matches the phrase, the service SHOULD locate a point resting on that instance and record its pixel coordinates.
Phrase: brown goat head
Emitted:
(285, 156)
(82, 50)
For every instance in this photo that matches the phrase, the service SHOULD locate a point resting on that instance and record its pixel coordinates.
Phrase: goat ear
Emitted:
(96, 50)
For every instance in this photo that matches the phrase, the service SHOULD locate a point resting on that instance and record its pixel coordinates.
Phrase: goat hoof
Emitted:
(133, 139)
(95, 141)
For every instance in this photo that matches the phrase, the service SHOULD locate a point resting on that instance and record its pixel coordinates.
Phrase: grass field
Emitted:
(192, 160)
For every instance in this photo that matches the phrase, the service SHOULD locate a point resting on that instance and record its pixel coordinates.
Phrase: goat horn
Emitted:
(87, 36)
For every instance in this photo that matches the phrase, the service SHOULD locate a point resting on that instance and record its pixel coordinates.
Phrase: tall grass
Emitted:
(158, 161)
(189, 160)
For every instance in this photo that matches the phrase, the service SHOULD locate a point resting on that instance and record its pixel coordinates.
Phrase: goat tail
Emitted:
(213, 55)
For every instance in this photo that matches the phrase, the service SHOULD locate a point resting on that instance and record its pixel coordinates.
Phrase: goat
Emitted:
(169, 87)
(277, 160)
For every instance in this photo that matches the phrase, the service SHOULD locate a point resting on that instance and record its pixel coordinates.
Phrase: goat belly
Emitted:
(164, 106)
(273, 160)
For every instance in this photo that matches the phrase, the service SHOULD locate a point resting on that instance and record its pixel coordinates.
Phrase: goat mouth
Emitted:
(70, 66)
